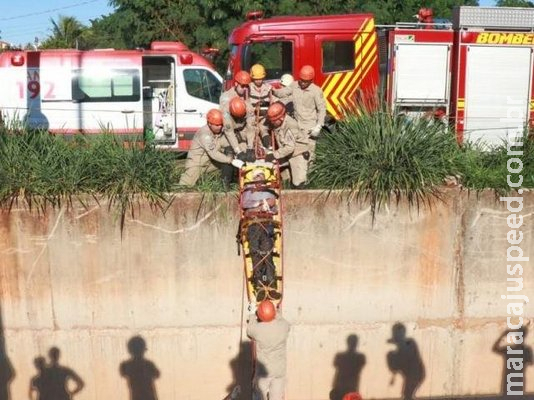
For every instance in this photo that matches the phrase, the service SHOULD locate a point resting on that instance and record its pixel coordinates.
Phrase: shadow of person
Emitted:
(36, 391)
(241, 367)
(349, 365)
(7, 374)
(56, 379)
(406, 361)
(516, 357)
(139, 372)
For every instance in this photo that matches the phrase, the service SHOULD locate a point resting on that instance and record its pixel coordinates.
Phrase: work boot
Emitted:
(261, 294)
(273, 294)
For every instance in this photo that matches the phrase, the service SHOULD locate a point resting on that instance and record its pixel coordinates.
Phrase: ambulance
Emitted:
(161, 93)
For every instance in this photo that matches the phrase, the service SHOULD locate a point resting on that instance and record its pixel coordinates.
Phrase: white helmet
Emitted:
(286, 80)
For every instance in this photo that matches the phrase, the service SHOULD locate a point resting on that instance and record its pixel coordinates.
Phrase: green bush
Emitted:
(377, 156)
(46, 170)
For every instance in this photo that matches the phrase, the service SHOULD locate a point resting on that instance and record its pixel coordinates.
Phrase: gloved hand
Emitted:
(238, 163)
(250, 156)
(252, 307)
(314, 133)
(241, 156)
(269, 157)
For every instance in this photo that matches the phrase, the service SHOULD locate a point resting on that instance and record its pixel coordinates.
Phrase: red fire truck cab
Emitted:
(165, 91)
(342, 48)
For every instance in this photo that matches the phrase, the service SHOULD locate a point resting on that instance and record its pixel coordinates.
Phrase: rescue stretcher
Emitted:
(266, 221)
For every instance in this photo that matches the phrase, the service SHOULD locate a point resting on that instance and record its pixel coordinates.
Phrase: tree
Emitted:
(515, 3)
(67, 32)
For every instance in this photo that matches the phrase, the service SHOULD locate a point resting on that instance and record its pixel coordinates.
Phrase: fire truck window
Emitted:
(202, 84)
(276, 57)
(106, 85)
(338, 56)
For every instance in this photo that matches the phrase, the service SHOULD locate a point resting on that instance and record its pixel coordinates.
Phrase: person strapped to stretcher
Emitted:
(260, 204)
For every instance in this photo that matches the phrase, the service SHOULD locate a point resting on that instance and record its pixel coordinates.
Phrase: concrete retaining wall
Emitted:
(69, 280)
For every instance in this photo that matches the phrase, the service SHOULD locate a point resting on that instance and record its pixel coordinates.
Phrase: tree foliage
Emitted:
(208, 23)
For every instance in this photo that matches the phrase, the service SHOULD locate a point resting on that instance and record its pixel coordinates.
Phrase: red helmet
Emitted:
(214, 117)
(307, 73)
(266, 311)
(276, 111)
(352, 396)
(243, 78)
(238, 108)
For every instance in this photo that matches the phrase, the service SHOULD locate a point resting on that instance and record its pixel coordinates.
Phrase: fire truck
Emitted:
(163, 92)
(474, 72)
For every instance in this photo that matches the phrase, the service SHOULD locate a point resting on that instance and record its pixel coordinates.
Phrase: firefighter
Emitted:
(309, 104)
(292, 144)
(241, 88)
(239, 129)
(270, 334)
(285, 81)
(260, 93)
(207, 152)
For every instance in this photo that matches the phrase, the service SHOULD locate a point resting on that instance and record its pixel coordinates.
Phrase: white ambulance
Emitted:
(163, 92)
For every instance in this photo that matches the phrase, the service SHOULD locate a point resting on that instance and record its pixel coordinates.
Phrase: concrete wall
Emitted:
(69, 280)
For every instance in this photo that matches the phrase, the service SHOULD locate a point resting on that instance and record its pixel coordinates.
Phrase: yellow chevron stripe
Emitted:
(362, 58)
(532, 104)
(332, 84)
(460, 103)
(361, 72)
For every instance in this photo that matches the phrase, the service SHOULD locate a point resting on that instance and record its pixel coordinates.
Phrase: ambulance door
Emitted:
(497, 92)
(198, 91)
(159, 99)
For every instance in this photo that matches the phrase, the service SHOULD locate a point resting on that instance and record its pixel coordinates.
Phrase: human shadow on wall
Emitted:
(139, 372)
(242, 370)
(405, 361)
(53, 380)
(349, 365)
(518, 356)
(7, 373)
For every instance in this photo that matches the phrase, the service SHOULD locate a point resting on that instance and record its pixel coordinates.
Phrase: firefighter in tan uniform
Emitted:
(238, 128)
(207, 152)
(260, 98)
(270, 335)
(241, 89)
(260, 92)
(292, 144)
(309, 104)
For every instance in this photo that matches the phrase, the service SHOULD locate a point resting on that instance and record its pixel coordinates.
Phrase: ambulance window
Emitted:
(105, 85)
(338, 56)
(202, 84)
(276, 57)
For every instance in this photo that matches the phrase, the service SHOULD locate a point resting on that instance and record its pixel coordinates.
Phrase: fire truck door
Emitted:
(498, 81)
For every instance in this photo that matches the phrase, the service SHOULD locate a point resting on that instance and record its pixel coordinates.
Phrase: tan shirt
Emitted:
(239, 132)
(206, 143)
(271, 343)
(309, 104)
(224, 102)
(291, 140)
(260, 94)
